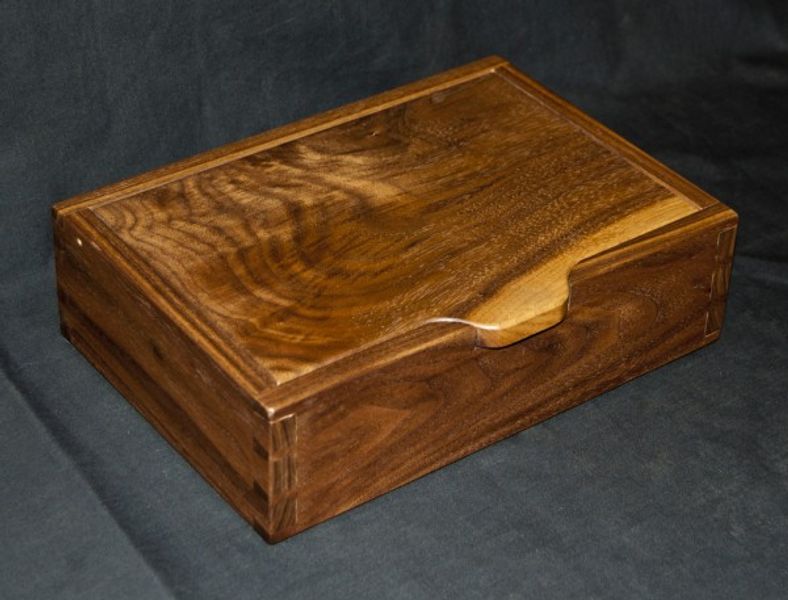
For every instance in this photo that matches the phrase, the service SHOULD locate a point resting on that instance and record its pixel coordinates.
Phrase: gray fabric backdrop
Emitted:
(675, 485)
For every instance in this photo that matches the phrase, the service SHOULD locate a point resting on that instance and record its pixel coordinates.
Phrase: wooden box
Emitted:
(322, 313)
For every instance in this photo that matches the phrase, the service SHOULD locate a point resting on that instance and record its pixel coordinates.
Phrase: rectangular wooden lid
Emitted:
(467, 197)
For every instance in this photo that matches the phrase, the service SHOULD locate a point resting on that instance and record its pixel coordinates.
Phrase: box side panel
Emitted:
(629, 312)
(199, 409)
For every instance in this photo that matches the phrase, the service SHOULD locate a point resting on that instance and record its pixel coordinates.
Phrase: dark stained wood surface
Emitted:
(322, 313)
(630, 311)
(470, 204)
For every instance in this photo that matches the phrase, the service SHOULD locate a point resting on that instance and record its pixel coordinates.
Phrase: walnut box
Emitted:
(322, 313)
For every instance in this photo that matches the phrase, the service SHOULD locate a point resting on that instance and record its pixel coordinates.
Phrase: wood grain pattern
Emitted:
(471, 204)
(256, 143)
(322, 313)
(720, 280)
(198, 407)
(629, 312)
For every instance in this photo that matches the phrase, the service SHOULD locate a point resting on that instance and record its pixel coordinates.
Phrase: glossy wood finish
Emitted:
(470, 204)
(322, 313)
(630, 312)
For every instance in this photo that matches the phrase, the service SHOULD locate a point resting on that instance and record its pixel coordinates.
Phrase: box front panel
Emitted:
(628, 314)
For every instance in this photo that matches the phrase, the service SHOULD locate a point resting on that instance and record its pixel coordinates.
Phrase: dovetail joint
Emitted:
(274, 442)
(720, 280)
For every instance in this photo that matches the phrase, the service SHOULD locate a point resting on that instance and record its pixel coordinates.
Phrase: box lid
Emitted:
(467, 197)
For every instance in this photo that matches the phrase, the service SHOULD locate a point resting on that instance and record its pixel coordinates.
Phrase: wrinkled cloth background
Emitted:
(675, 485)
